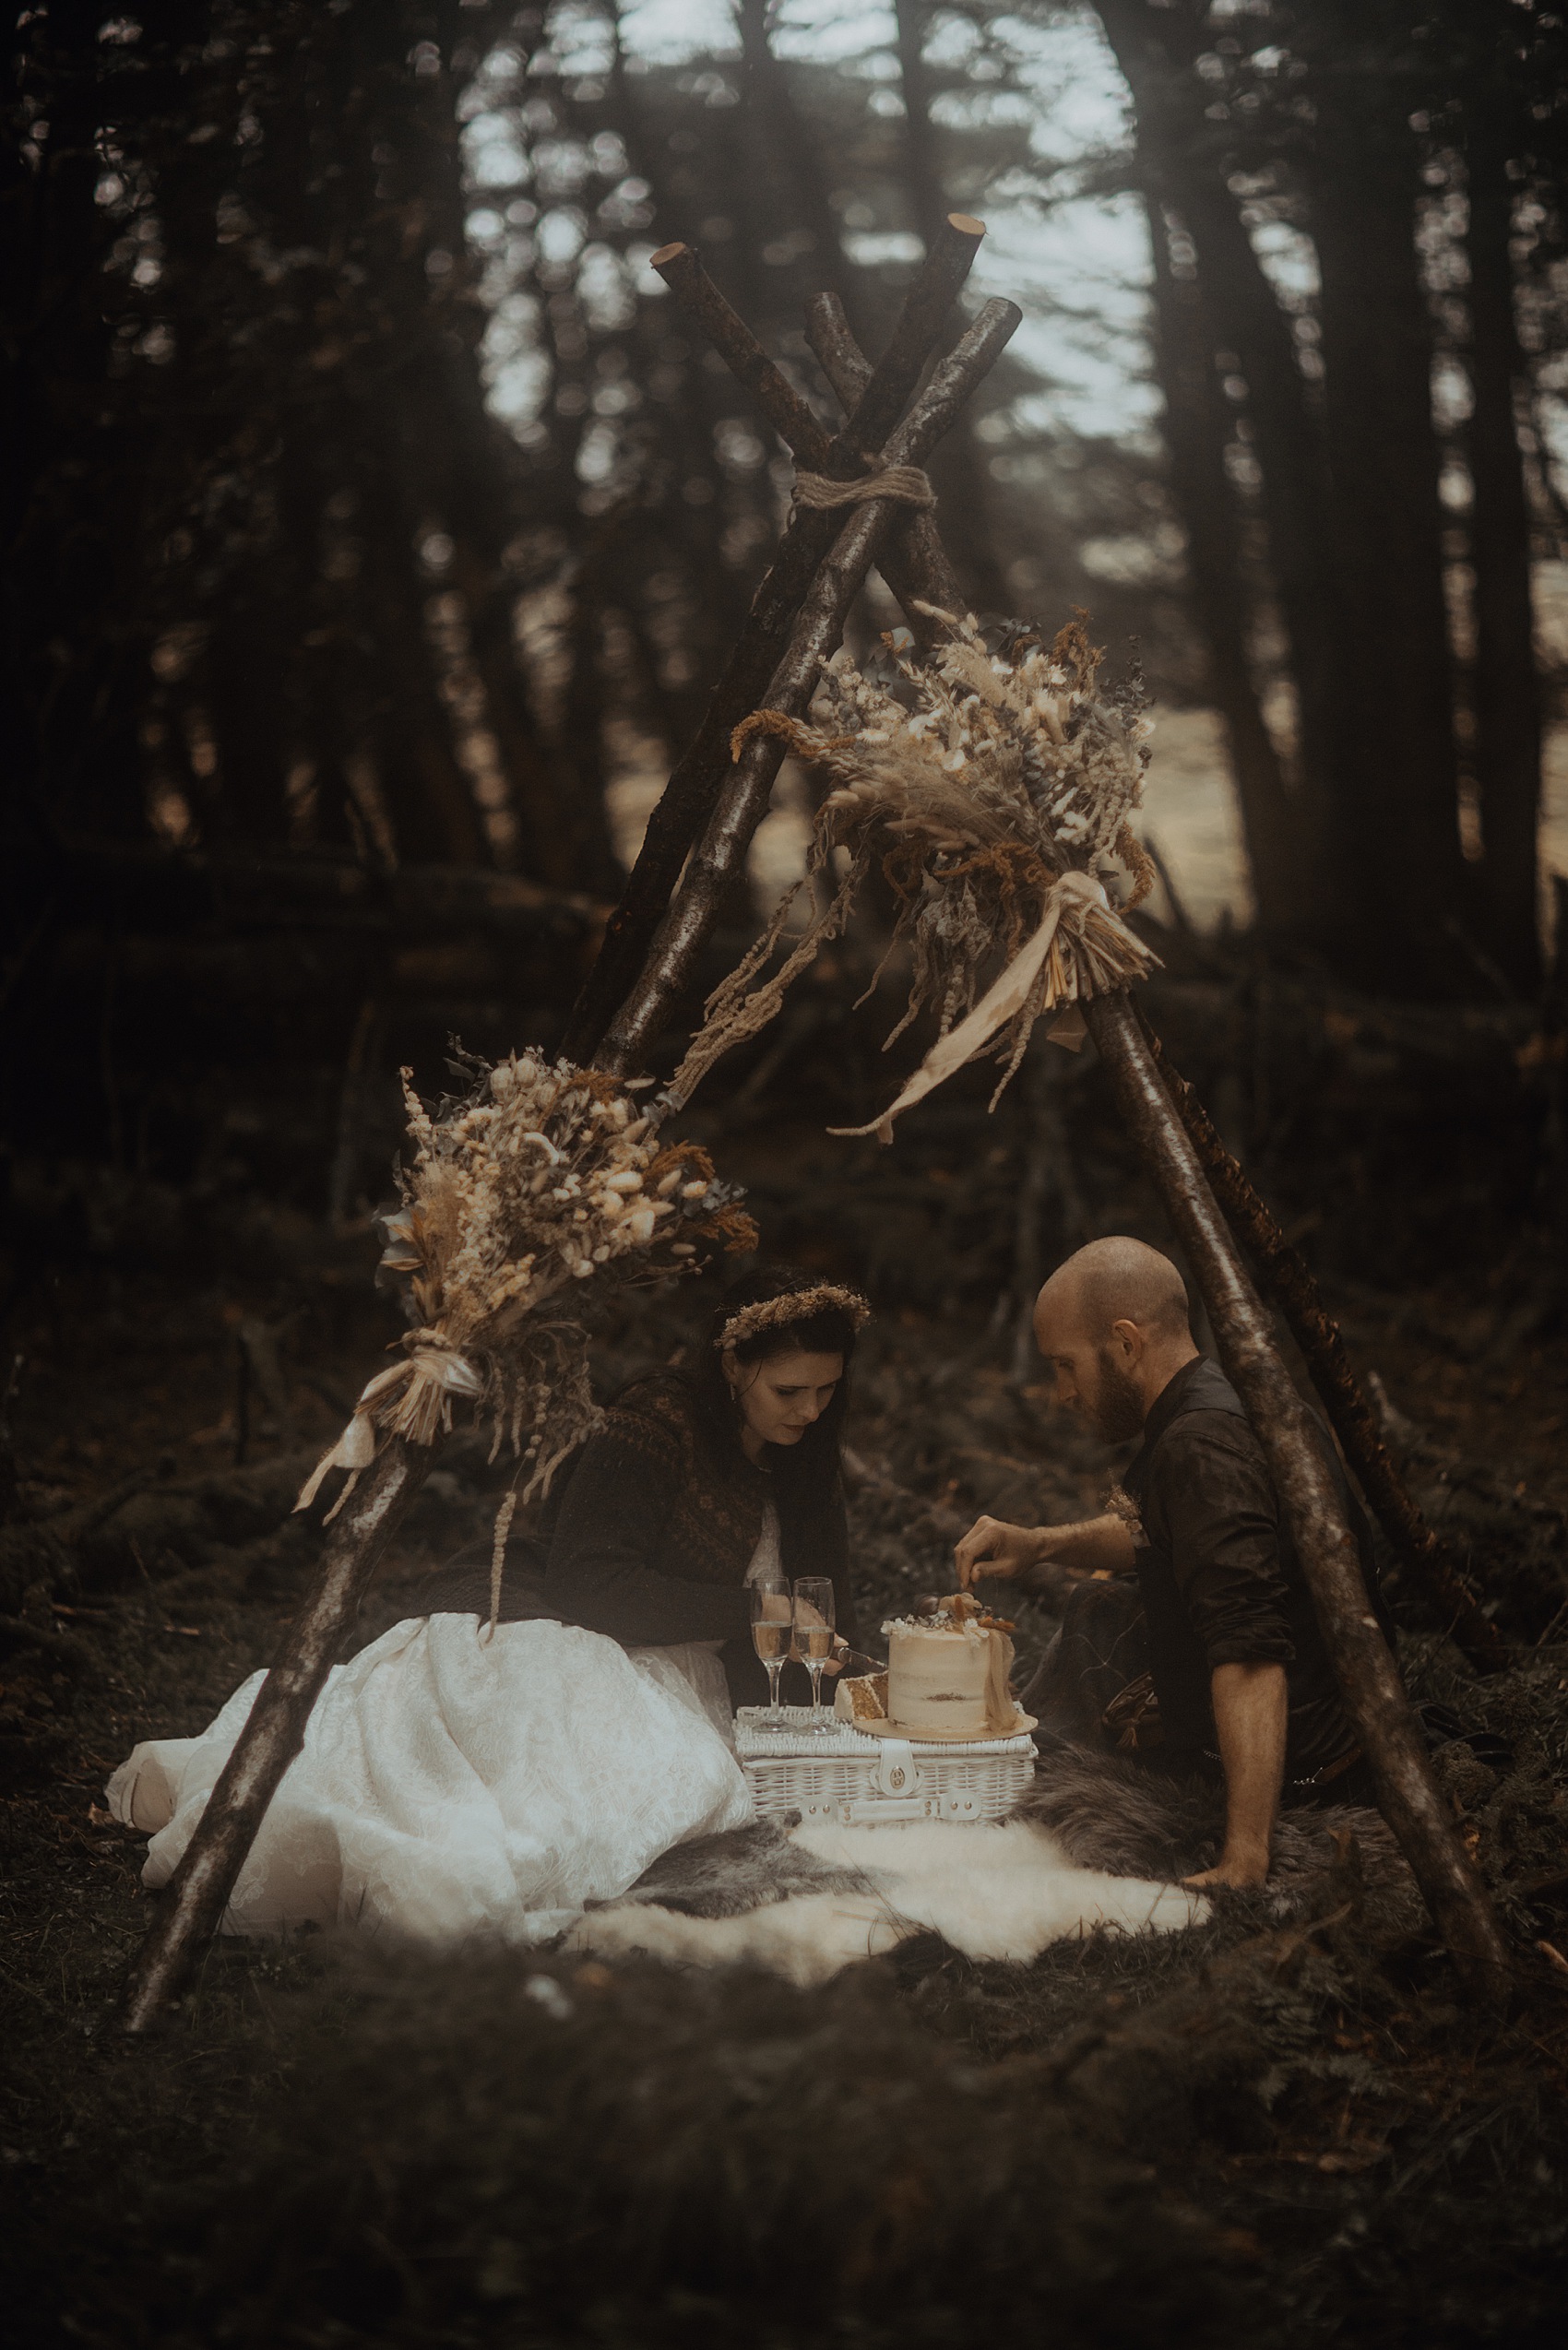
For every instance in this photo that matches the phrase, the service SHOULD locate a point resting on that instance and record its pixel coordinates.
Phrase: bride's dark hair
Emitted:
(821, 1328)
(806, 1476)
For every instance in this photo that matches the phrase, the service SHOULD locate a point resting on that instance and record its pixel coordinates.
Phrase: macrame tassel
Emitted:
(498, 1557)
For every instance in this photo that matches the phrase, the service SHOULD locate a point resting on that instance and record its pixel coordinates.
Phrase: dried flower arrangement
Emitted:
(996, 782)
(539, 1176)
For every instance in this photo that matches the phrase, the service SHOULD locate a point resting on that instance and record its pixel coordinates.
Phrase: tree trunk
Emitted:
(242, 670)
(1507, 687)
(1245, 317)
(1355, 525)
(678, 534)
(1394, 839)
(429, 799)
(798, 196)
(1195, 316)
(1197, 429)
(64, 592)
(957, 471)
(583, 731)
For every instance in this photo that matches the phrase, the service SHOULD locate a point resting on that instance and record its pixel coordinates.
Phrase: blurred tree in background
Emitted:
(372, 515)
(278, 579)
(255, 443)
(1352, 447)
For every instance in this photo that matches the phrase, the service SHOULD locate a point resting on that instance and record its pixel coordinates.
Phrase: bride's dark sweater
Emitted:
(649, 1530)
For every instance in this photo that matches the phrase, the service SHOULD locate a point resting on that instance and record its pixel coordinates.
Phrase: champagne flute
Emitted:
(814, 1640)
(771, 1634)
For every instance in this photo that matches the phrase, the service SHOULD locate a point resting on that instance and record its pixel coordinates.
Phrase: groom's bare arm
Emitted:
(991, 1546)
(1252, 1714)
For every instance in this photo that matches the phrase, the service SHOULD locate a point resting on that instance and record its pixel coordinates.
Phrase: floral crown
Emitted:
(796, 1305)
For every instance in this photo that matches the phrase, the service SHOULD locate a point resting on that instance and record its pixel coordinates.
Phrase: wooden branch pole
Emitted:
(913, 560)
(191, 1906)
(882, 392)
(699, 774)
(926, 577)
(1367, 1677)
(719, 858)
(1284, 1275)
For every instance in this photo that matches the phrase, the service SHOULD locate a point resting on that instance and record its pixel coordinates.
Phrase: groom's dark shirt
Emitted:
(1220, 1579)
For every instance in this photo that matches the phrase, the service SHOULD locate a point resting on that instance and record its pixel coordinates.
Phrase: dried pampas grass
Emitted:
(541, 1177)
(995, 784)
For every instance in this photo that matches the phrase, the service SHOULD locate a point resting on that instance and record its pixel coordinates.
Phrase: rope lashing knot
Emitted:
(412, 1400)
(905, 482)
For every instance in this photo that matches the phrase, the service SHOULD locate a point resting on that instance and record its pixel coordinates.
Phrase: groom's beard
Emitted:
(1116, 1408)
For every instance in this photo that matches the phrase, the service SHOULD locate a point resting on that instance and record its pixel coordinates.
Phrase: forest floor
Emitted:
(1241, 2134)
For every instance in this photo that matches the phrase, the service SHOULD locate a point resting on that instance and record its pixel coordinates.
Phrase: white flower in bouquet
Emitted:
(542, 1176)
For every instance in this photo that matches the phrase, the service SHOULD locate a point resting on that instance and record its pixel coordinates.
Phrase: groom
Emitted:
(1191, 1641)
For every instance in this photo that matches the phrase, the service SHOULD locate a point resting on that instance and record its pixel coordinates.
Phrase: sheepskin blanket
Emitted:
(1096, 1845)
(1001, 1891)
(1107, 1812)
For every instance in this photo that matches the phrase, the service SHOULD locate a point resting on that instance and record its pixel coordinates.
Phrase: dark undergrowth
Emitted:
(1241, 2135)
(1245, 2135)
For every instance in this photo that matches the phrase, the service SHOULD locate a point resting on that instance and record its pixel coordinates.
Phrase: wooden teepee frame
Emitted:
(796, 619)
(695, 850)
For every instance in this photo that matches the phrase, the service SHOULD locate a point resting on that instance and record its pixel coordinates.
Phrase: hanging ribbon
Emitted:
(413, 1399)
(1090, 950)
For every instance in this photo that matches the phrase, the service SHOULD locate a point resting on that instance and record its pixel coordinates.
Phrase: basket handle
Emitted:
(877, 1812)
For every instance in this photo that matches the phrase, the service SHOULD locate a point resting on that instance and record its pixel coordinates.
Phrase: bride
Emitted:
(460, 1776)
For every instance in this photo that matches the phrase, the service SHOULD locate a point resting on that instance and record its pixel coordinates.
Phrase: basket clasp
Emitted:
(897, 1772)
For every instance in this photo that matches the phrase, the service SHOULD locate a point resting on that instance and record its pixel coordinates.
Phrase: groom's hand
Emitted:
(991, 1546)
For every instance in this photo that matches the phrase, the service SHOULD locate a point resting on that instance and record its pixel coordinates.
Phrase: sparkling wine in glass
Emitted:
(771, 1634)
(814, 1639)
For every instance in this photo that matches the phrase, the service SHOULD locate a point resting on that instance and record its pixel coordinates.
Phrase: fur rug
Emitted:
(1097, 1844)
(1107, 1812)
(1002, 1891)
(744, 1870)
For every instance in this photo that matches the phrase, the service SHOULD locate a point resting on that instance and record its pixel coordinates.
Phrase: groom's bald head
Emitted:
(1115, 1280)
(1113, 1319)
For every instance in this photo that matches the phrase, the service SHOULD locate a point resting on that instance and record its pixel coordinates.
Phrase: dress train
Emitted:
(451, 1785)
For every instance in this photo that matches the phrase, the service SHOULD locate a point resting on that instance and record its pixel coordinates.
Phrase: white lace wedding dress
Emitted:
(450, 1786)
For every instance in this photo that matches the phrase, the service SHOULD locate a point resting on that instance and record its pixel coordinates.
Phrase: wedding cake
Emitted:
(949, 1668)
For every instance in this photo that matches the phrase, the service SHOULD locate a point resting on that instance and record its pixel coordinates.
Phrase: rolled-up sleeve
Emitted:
(1220, 1519)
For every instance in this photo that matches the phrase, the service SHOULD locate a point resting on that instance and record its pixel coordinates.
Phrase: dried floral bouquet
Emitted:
(539, 1177)
(995, 784)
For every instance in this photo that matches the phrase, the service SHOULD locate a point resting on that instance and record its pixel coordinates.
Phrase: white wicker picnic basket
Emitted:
(848, 1779)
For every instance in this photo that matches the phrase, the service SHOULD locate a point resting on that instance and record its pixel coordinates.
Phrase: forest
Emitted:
(411, 409)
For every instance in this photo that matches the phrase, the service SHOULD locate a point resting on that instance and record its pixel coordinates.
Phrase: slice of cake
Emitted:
(862, 1699)
(948, 1671)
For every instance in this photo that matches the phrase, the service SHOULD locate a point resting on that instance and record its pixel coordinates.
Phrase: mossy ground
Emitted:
(1216, 2138)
